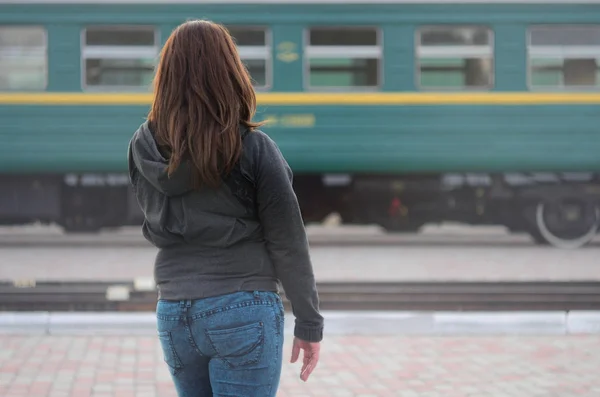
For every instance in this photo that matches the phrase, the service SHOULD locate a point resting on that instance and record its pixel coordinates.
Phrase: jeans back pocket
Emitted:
(239, 346)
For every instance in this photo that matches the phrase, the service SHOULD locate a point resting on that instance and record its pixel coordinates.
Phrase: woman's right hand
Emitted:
(311, 356)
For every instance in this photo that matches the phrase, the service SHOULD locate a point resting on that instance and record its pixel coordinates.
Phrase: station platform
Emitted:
(550, 354)
(351, 365)
(368, 354)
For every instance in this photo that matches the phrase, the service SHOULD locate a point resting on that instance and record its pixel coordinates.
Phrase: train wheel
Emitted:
(568, 223)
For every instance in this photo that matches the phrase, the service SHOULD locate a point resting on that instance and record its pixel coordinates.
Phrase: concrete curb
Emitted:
(337, 323)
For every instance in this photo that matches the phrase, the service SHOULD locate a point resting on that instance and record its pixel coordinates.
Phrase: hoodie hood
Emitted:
(145, 156)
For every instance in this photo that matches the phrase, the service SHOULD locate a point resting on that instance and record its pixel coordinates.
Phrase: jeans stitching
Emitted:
(277, 347)
(258, 344)
(164, 317)
(218, 310)
(177, 365)
(278, 319)
(191, 340)
(222, 309)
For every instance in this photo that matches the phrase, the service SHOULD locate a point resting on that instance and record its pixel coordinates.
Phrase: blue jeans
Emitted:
(228, 345)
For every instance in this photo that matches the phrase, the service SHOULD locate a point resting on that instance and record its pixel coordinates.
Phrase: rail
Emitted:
(412, 296)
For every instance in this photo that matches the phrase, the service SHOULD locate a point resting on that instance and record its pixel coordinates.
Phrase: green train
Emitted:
(391, 112)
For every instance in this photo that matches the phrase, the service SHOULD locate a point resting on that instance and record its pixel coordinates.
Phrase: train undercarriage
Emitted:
(558, 209)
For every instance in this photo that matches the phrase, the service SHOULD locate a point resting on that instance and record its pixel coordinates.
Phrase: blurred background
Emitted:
(446, 158)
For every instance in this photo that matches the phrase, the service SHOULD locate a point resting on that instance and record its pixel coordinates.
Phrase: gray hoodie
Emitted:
(210, 243)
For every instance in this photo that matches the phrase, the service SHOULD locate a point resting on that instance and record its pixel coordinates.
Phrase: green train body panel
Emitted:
(328, 138)
(343, 139)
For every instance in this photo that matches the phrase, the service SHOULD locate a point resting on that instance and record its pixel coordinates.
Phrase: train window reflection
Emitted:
(255, 51)
(119, 57)
(455, 57)
(343, 58)
(23, 58)
(564, 57)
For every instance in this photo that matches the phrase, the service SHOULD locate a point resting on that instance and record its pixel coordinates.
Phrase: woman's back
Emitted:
(218, 201)
(209, 242)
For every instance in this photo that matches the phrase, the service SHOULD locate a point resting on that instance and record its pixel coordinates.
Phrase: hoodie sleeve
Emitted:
(285, 237)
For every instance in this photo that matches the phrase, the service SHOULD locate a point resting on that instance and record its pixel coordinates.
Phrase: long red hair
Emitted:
(202, 94)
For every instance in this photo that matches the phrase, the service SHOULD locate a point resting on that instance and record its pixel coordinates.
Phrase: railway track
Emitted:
(412, 296)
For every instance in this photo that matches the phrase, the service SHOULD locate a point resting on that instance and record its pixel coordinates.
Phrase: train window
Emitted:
(255, 51)
(343, 58)
(119, 57)
(564, 57)
(455, 57)
(23, 58)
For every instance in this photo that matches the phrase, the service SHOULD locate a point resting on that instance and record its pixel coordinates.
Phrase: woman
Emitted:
(218, 203)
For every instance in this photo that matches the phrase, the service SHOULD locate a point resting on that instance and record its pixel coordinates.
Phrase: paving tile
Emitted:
(399, 366)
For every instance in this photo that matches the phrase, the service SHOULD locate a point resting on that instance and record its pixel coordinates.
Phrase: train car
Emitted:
(390, 112)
